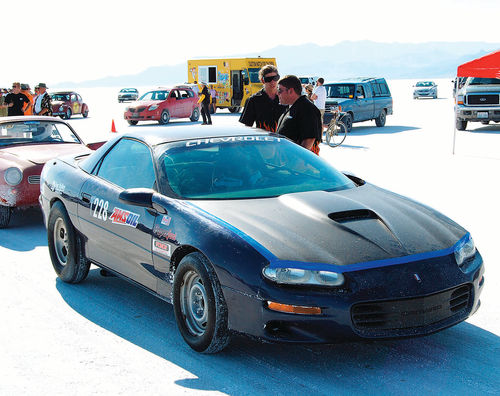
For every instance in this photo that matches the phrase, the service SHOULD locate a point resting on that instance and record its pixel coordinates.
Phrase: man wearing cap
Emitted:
(16, 100)
(205, 102)
(43, 103)
(263, 108)
(25, 89)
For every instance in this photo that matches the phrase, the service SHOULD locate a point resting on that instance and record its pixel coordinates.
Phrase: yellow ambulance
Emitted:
(234, 79)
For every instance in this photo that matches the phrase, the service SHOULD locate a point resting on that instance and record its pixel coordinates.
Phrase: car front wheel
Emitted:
(461, 125)
(132, 122)
(5, 212)
(199, 305)
(165, 117)
(347, 121)
(65, 247)
(68, 113)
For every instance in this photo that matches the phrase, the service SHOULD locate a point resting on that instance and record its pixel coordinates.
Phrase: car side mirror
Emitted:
(144, 197)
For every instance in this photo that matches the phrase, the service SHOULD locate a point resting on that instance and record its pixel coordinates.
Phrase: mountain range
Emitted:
(343, 60)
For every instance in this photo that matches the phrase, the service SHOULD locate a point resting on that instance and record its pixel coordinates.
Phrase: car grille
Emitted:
(138, 109)
(413, 312)
(479, 100)
(35, 179)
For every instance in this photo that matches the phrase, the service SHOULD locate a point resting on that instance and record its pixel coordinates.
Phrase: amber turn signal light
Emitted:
(295, 309)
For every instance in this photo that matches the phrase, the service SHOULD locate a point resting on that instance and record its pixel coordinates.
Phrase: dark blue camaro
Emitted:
(244, 231)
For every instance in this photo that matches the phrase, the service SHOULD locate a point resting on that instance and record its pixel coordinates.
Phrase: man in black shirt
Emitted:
(15, 100)
(263, 107)
(302, 121)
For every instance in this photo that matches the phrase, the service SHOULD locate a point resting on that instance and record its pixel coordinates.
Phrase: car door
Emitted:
(75, 104)
(174, 103)
(363, 105)
(120, 235)
(185, 103)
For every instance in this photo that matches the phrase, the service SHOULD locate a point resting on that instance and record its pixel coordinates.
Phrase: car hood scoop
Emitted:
(344, 227)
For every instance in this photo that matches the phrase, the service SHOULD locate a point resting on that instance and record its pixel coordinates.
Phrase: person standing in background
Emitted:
(205, 103)
(16, 100)
(43, 103)
(319, 97)
(263, 108)
(25, 89)
(213, 94)
(3, 106)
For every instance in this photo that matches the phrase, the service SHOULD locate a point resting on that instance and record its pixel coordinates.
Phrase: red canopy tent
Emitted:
(487, 66)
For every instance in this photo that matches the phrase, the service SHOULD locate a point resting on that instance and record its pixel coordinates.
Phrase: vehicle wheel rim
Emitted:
(382, 117)
(164, 117)
(193, 298)
(61, 241)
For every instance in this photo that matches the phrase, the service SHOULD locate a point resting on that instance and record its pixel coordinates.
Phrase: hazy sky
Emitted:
(89, 39)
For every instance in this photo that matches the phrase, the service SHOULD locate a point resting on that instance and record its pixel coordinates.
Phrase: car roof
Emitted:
(189, 132)
(355, 80)
(4, 120)
(63, 92)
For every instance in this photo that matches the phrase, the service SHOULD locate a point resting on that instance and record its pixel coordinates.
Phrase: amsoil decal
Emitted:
(161, 248)
(121, 216)
(165, 220)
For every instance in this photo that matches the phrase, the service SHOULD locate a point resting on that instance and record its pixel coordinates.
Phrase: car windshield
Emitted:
(339, 90)
(484, 81)
(254, 74)
(425, 84)
(304, 80)
(244, 167)
(34, 132)
(60, 97)
(155, 95)
(129, 90)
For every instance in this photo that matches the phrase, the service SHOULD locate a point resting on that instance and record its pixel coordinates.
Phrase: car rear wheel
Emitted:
(199, 305)
(165, 117)
(132, 122)
(234, 109)
(195, 116)
(68, 114)
(380, 120)
(461, 125)
(5, 212)
(65, 247)
(85, 112)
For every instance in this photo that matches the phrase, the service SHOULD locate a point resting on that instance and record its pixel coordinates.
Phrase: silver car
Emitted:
(425, 89)
(127, 94)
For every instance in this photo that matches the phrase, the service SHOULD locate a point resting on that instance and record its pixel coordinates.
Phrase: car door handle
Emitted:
(86, 197)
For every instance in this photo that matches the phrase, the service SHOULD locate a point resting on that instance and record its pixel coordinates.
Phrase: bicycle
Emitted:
(337, 131)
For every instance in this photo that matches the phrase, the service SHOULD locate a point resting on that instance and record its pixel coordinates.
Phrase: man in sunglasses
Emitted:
(301, 123)
(263, 108)
(16, 100)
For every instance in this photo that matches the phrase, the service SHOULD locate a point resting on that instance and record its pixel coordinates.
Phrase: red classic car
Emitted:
(26, 144)
(67, 103)
(163, 104)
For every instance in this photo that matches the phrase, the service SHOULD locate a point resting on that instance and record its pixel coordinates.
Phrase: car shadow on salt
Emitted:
(486, 129)
(459, 360)
(25, 231)
(373, 130)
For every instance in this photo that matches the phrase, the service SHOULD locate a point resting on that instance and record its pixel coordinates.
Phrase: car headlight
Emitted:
(465, 251)
(460, 99)
(153, 107)
(127, 108)
(13, 176)
(297, 276)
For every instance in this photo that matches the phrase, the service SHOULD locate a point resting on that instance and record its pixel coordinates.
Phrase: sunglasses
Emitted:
(272, 78)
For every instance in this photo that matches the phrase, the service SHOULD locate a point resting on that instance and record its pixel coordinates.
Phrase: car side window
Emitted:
(360, 92)
(129, 165)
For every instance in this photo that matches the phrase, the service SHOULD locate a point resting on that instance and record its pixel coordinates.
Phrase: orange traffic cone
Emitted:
(113, 128)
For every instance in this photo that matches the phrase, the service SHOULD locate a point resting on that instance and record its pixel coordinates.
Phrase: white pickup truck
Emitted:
(478, 101)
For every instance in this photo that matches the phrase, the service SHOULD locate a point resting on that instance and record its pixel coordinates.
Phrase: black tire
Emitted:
(234, 109)
(461, 125)
(195, 115)
(132, 122)
(485, 122)
(199, 305)
(336, 134)
(380, 120)
(5, 212)
(165, 117)
(85, 113)
(347, 121)
(65, 247)
(68, 114)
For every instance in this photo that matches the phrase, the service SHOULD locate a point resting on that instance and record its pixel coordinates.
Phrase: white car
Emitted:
(425, 89)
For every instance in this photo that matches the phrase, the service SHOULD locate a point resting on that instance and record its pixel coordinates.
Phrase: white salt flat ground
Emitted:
(107, 337)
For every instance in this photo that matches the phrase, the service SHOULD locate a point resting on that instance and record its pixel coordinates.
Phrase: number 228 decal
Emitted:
(99, 209)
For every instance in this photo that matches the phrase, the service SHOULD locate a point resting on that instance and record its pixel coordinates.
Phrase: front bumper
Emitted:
(386, 302)
(468, 113)
(424, 94)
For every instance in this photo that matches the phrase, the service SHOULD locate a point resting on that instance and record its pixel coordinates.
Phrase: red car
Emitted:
(26, 144)
(163, 104)
(67, 103)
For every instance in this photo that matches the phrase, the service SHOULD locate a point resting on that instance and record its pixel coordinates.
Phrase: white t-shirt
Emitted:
(320, 91)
